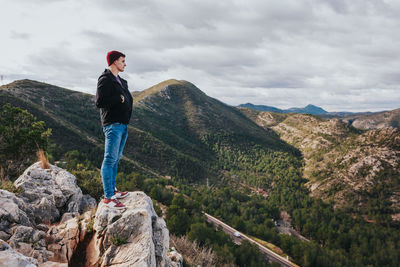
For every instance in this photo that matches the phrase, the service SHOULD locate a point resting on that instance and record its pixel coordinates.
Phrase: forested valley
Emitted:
(198, 167)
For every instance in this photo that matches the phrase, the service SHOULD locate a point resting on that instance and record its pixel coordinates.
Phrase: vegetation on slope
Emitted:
(230, 149)
(21, 136)
(357, 170)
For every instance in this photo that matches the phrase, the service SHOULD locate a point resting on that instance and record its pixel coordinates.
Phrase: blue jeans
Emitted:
(115, 138)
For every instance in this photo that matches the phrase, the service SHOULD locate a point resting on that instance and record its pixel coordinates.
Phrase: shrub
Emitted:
(117, 241)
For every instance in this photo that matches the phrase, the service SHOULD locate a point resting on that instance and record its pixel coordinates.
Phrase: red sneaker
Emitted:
(120, 194)
(113, 203)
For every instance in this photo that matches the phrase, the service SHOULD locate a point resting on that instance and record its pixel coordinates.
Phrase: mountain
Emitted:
(375, 120)
(246, 167)
(345, 113)
(175, 128)
(360, 120)
(75, 122)
(309, 109)
(183, 117)
(261, 108)
(354, 169)
(71, 115)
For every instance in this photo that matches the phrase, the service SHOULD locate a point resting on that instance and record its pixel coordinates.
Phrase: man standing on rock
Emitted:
(115, 103)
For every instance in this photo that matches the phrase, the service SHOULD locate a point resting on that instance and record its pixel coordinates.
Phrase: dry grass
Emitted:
(44, 161)
(2, 175)
(194, 254)
(270, 246)
(154, 89)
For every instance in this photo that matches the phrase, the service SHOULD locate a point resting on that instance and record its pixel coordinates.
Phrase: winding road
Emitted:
(272, 256)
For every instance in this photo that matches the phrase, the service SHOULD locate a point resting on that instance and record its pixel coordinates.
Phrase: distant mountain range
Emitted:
(309, 109)
(360, 120)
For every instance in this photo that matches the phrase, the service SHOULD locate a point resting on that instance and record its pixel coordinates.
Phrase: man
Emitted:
(115, 103)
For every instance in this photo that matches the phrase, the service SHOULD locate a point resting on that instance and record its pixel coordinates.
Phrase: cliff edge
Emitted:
(48, 222)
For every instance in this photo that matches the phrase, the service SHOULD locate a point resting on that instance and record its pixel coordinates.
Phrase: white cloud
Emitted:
(341, 55)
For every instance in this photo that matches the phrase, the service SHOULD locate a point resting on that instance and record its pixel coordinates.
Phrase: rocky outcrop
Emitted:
(46, 223)
(43, 221)
(51, 192)
(344, 165)
(132, 237)
(376, 120)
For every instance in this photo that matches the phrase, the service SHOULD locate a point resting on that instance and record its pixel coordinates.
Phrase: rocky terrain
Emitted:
(376, 120)
(360, 120)
(49, 222)
(350, 167)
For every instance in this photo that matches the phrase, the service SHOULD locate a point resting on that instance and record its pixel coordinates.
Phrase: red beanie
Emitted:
(112, 56)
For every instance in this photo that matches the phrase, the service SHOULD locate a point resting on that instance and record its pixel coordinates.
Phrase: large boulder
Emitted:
(44, 220)
(51, 192)
(132, 237)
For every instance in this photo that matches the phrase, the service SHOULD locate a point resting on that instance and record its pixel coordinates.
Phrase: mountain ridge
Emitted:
(309, 109)
(342, 164)
(174, 116)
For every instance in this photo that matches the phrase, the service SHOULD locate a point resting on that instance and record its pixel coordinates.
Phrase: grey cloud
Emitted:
(61, 66)
(19, 35)
(241, 51)
(283, 98)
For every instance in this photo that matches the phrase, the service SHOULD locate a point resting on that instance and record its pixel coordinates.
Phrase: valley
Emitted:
(338, 184)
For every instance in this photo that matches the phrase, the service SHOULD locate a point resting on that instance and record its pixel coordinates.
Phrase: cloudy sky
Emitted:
(337, 54)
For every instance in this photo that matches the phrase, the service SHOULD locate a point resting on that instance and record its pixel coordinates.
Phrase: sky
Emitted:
(337, 54)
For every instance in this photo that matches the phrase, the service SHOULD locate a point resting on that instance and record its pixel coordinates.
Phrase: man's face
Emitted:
(120, 64)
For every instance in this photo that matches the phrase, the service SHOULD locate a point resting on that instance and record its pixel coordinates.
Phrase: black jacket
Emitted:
(108, 99)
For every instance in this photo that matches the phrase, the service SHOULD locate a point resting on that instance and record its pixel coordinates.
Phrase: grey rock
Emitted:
(88, 219)
(13, 211)
(87, 203)
(174, 259)
(10, 257)
(49, 192)
(68, 216)
(51, 216)
(47, 196)
(24, 239)
(42, 227)
(160, 238)
(142, 241)
(66, 235)
(4, 236)
(46, 211)
(53, 264)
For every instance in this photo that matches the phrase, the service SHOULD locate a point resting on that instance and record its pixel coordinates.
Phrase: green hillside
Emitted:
(55, 106)
(176, 129)
(182, 116)
(74, 121)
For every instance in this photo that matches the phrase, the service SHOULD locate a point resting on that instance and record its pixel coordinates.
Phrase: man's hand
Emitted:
(123, 98)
